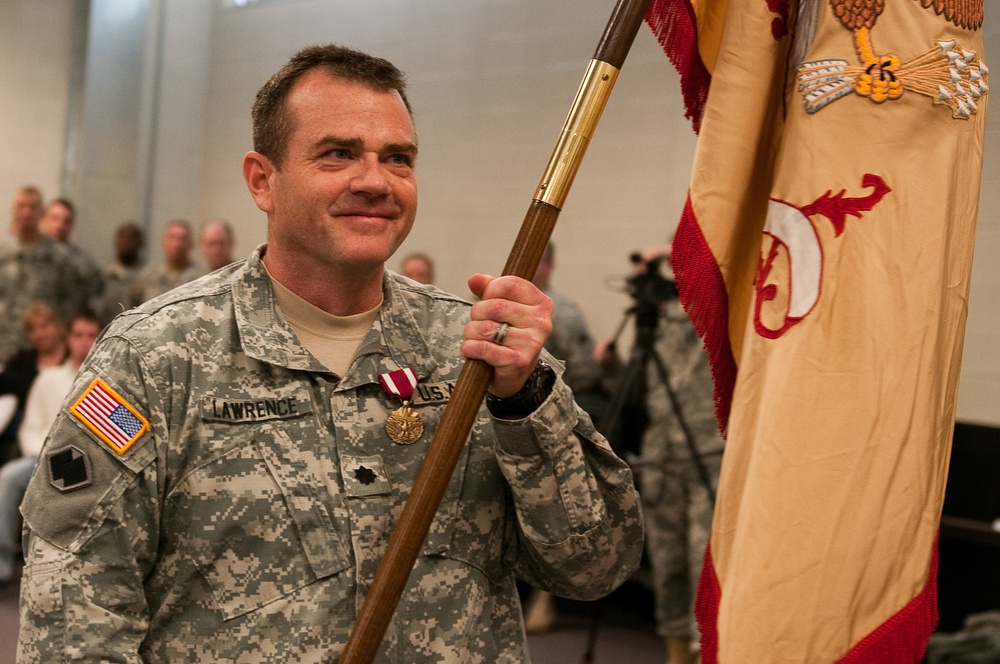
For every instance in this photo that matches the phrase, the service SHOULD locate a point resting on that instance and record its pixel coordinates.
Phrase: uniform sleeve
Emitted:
(580, 532)
(91, 514)
(70, 290)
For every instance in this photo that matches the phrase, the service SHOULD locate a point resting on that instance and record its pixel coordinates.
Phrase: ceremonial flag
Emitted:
(824, 256)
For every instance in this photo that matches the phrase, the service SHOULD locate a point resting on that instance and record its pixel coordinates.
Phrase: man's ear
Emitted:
(257, 171)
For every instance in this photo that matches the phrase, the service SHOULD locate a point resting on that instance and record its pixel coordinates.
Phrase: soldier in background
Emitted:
(122, 285)
(571, 340)
(177, 267)
(41, 409)
(217, 244)
(58, 223)
(419, 267)
(33, 268)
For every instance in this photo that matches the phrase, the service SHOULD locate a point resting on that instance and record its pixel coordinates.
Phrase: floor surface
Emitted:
(624, 633)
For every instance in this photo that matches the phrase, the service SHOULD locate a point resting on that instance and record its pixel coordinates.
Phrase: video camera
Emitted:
(650, 288)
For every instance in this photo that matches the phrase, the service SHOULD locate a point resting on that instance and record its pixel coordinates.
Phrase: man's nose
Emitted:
(370, 177)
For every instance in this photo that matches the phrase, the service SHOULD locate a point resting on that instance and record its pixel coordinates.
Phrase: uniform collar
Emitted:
(393, 342)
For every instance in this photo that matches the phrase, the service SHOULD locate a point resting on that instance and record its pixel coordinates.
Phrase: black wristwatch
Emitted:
(535, 391)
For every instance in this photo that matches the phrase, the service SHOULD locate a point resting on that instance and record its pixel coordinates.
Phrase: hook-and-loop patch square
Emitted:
(112, 419)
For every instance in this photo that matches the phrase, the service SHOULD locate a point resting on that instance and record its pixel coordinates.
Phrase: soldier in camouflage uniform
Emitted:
(215, 491)
(177, 267)
(33, 268)
(122, 288)
(217, 242)
(570, 340)
(676, 503)
(58, 223)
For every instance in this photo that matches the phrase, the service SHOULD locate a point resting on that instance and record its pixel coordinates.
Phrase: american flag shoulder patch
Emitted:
(109, 416)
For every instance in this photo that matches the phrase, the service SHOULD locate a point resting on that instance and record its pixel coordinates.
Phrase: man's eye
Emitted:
(339, 153)
(401, 159)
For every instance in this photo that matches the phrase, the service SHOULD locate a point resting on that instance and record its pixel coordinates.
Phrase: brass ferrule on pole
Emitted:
(596, 87)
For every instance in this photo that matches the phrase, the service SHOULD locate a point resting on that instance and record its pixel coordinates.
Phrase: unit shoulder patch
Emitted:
(69, 468)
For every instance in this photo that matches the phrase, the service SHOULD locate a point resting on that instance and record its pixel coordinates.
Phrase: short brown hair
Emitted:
(66, 203)
(271, 125)
(88, 315)
(31, 190)
(43, 311)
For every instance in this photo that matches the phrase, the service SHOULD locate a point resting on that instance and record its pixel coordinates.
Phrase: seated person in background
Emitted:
(177, 267)
(122, 288)
(47, 348)
(217, 243)
(419, 267)
(58, 223)
(46, 396)
(33, 268)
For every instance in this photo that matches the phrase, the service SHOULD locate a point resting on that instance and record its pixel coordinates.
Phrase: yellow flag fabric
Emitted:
(824, 255)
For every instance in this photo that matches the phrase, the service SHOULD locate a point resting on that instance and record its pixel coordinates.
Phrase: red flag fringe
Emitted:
(675, 27)
(902, 639)
(706, 609)
(706, 301)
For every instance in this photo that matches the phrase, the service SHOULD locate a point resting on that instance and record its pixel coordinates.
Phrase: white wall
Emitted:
(491, 82)
(35, 37)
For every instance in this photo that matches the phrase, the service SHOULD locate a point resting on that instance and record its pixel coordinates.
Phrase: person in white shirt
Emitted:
(44, 402)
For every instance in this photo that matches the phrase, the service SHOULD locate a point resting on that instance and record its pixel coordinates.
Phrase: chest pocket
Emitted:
(470, 524)
(255, 523)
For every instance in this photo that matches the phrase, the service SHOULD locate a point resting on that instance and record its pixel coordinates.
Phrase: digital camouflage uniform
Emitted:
(247, 524)
(89, 275)
(158, 279)
(122, 290)
(38, 272)
(676, 504)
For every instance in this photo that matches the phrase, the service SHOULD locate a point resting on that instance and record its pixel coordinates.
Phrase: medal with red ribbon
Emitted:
(404, 426)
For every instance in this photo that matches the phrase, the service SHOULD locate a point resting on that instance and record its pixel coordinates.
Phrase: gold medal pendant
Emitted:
(404, 426)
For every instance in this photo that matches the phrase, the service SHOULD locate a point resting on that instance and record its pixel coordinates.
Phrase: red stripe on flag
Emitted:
(706, 609)
(703, 293)
(902, 639)
(674, 25)
(97, 406)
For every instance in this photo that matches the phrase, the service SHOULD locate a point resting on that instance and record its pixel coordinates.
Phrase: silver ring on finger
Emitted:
(500, 334)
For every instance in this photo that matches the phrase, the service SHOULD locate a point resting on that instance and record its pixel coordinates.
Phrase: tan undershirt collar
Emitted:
(333, 340)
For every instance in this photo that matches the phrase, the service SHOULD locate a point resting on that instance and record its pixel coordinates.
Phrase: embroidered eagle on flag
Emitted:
(949, 74)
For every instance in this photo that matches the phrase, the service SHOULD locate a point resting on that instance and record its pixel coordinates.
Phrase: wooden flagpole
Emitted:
(456, 421)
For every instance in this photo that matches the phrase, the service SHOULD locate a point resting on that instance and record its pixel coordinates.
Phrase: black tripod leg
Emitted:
(633, 371)
(688, 436)
(595, 621)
